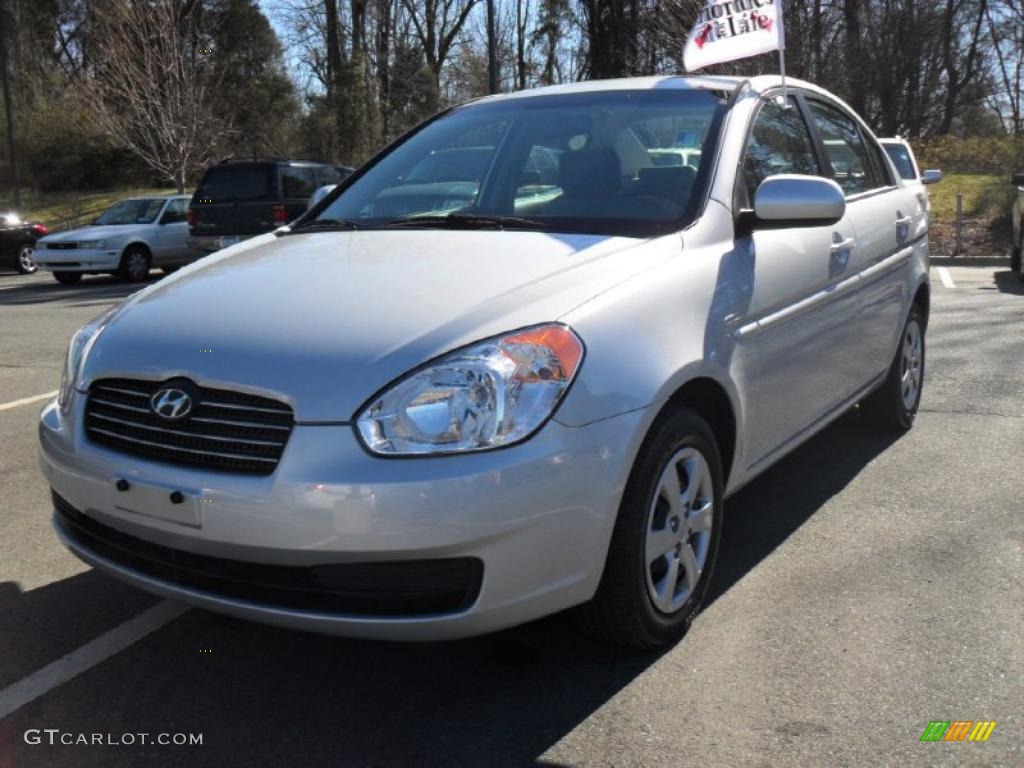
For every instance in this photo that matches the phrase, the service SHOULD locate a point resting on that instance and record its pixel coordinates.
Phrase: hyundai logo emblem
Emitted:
(170, 403)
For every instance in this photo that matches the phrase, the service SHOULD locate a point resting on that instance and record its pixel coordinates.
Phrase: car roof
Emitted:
(758, 85)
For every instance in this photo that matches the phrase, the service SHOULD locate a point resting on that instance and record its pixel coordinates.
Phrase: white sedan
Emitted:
(129, 238)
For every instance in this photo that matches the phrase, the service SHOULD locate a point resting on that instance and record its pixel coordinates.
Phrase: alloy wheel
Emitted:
(27, 259)
(910, 366)
(678, 535)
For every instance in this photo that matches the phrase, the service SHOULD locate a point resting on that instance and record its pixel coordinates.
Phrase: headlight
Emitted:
(93, 245)
(78, 351)
(490, 394)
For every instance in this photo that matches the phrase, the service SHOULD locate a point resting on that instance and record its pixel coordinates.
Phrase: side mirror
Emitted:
(931, 177)
(789, 200)
(1018, 179)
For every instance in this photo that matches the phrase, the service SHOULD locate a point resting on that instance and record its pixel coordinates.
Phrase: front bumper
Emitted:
(77, 260)
(538, 516)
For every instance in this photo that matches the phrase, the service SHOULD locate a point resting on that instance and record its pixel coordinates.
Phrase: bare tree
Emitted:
(151, 89)
(437, 24)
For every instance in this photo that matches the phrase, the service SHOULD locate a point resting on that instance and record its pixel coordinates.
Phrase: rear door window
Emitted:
(852, 165)
(227, 183)
(297, 181)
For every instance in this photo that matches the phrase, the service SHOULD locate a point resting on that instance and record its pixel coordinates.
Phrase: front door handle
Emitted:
(903, 221)
(842, 245)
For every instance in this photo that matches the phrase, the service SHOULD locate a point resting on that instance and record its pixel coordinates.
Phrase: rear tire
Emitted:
(1015, 259)
(894, 404)
(135, 264)
(67, 278)
(648, 596)
(26, 263)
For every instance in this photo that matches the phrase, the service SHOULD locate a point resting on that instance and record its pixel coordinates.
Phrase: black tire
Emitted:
(135, 264)
(67, 278)
(886, 407)
(1015, 254)
(623, 610)
(25, 262)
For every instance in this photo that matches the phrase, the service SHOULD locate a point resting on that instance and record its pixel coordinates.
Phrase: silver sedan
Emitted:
(128, 239)
(513, 365)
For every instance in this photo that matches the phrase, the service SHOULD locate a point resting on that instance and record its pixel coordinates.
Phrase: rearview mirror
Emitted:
(1018, 179)
(790, 200)
(931, 177)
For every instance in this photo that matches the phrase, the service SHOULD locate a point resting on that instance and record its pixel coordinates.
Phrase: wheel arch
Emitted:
(711, 401)
(137, 244)
(922, 298)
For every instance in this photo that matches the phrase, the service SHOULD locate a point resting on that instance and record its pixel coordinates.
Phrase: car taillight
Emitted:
(39, 229)
(191, 217)
(280, 214)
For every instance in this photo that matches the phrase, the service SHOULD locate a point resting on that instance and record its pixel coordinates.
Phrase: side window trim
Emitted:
(869, 144)
(741, 198)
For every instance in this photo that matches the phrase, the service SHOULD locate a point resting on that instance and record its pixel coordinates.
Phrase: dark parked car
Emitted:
(18, 242)
(238, 199)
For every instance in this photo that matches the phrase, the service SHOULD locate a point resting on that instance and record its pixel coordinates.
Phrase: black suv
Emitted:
(238, 199)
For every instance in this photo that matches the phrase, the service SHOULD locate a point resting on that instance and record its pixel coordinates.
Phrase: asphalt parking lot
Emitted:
(867, 585)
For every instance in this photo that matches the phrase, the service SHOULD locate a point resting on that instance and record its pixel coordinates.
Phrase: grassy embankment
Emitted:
(64, 210)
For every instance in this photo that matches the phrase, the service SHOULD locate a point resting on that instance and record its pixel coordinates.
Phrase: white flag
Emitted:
(734, 29)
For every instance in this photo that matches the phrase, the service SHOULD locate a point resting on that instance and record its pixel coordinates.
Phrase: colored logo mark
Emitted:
(958, 730)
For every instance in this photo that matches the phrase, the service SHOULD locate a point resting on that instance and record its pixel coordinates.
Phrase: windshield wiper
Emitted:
(469, 221)
(326, 225)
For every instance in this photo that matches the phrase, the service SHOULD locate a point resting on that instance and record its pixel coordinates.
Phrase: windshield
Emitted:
(132, 212)
(901, 159)
(622, 162)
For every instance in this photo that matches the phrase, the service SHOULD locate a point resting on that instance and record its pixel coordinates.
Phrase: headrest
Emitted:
(590, 173)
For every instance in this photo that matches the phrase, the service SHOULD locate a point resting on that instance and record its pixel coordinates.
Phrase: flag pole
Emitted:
(782, 68)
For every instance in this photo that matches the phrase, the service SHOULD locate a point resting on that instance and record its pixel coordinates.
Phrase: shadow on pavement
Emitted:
(1010, 282)
(91, 288)
(266, 696)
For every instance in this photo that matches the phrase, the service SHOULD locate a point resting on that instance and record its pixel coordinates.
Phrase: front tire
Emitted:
(1015, 260)
(26, 263)
(67, 278)
(135, 264)
(894, 404)
(666, 535)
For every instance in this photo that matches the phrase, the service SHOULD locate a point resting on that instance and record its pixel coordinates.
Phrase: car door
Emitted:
(798, 331)
(172, 232)
(889, 221)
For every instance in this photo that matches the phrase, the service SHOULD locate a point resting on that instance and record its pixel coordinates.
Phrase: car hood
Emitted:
(92, 232)
(325, 320)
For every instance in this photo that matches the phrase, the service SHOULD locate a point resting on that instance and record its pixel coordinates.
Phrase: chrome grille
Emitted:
(225, 430)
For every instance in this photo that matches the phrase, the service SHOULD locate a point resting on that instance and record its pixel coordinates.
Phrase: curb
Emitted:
(967, 261)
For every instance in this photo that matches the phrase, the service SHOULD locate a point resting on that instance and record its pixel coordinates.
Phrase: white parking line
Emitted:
(27, 400)
(947, 279)
(89, 655)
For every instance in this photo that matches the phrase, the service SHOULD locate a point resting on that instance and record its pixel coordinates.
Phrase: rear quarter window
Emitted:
(297, 181)
(234, 184)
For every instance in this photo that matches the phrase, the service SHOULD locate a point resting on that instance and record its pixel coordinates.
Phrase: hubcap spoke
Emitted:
(660, 543)
(665, 590)
(700, 518)
(688, 559)
(668, 488)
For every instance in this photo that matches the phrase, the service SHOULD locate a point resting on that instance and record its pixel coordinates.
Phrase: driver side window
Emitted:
(779, 143)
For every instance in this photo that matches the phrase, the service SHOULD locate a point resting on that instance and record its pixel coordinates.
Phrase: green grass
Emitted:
(63, 210)
(985, 197)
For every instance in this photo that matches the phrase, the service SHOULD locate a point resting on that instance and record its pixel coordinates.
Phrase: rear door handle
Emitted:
(903, 221)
